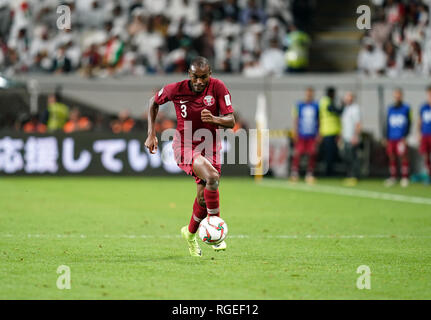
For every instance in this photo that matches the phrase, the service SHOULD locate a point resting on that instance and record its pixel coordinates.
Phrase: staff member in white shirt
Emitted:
(350, 133)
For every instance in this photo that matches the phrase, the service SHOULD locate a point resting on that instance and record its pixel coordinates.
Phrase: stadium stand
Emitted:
(139, 37)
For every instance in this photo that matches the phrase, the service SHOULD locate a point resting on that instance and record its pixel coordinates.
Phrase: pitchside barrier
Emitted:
(95, 154)
(98, 154)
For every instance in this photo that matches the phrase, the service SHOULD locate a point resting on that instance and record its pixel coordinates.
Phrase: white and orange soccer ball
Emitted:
(212, 230)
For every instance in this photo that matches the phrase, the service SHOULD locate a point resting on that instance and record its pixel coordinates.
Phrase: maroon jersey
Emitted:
(188, 106)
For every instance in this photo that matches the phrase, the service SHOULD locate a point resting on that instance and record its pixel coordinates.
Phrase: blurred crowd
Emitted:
(137, 37)
(399, 40)
(57, 116)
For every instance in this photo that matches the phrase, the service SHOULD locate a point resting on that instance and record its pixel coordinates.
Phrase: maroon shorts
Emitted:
(305, 146)
(185, 158)
(397, 148)
(425, 146)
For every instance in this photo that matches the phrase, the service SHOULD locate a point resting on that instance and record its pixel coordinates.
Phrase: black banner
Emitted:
(91, 153)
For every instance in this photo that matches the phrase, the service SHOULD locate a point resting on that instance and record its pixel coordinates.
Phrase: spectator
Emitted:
(77, 122)
(166, 33)
(123, 124)
(231, 10)
(61, 62)
(252, 11)
(56, 113)
(351, 134)
(404, 24)
(329, 119)
(272, 59)
(33, 125)
(394, 60)
(298, 43)
(91, 60)
(371, 60)
(252, 67)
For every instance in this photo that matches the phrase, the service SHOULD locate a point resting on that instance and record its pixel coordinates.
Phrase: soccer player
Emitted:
(201, 102)
(306, 117)
(398, 124)
(425, 131)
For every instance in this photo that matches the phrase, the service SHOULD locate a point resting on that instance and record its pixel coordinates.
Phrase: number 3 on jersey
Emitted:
(183, 110)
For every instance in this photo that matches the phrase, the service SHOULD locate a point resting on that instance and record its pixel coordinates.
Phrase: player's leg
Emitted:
(294, 175)
(390, 150)
(199, 209)
(405, 165)
(425, 150)
(312, 154)
(206, 171)
(199, 213)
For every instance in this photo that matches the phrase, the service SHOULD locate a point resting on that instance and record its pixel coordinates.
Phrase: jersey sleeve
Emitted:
(165, 94)
(223, 98)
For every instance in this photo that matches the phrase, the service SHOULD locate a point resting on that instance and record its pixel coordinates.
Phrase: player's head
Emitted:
(349, 98)
(52, 98)
(429, 94)
(330, 92)
(398, 95)
(309, 94)
(199, 72)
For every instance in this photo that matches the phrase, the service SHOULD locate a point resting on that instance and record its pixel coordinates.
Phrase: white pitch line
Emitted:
(234, 236)
(347, 192)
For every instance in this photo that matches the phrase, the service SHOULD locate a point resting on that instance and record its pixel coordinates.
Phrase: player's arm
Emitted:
(152, 142)
(225, 121)
(223, 99)
(163, 96)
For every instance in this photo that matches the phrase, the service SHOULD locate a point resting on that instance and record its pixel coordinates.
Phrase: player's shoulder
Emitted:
(216, 82)
(175, 87)
(425, 106)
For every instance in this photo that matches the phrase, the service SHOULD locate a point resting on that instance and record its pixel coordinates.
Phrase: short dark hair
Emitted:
(200, 62)
(330, 91)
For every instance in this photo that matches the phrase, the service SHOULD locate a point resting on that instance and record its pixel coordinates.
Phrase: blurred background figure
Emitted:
(329, 115)
(123, 123)
(371, 59)
(297, 43)
(33, 125)
(56, 113)
(77, 122)
(306, 131)
(398, 124)
(351, 135)
(424, 126)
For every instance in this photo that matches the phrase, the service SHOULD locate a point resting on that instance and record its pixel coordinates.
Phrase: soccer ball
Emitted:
(212, 230)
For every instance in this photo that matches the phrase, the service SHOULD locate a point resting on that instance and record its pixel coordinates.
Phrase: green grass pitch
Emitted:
(121, 239)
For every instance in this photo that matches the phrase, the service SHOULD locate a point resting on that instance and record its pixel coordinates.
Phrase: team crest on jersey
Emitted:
(209, 101)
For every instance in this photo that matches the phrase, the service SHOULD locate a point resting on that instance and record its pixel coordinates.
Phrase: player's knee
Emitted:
(213, 179)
